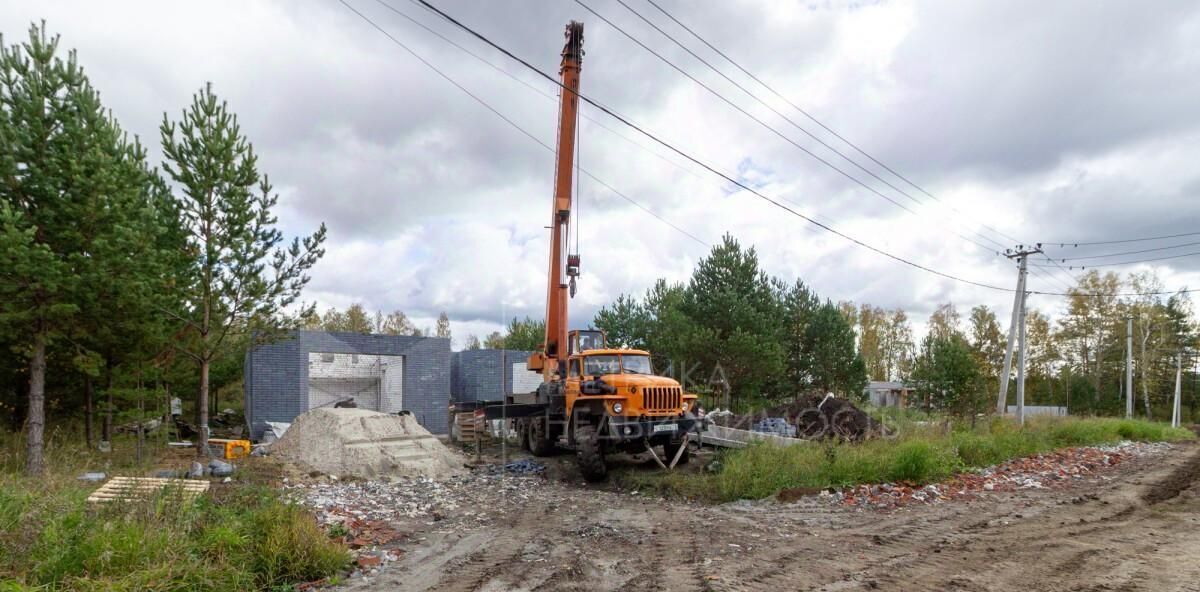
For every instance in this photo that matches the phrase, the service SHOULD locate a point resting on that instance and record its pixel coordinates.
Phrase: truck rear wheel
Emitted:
(671, 448)
(589, 453)
(522, 427)
(539, 441)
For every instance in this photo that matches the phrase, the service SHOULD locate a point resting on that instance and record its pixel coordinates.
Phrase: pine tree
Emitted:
(523, 334)
(828, 355)
(735, 308)
(244, 279)
(625, 323)
(77, 219)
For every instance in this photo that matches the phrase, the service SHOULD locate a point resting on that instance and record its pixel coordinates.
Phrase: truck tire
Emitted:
(671, 447)
(589, 454)
(522, 427)
(539, 441)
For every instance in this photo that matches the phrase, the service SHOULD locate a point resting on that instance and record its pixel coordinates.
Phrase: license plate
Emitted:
(665, 427)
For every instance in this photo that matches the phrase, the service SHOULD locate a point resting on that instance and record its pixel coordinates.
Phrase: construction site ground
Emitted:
(1132, 526)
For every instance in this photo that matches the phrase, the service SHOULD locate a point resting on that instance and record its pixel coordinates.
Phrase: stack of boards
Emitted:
(133, 488)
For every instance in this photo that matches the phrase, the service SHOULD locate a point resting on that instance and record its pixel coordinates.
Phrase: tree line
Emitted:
(732, 329)
(737, 334)
(117, 276)
(356, 319)
(1076, 361)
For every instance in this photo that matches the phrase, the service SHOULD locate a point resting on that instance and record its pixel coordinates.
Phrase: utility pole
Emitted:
(1175, 408)
(1021, 361)
(1129, 367)
(1021, 254)
(1002, 401)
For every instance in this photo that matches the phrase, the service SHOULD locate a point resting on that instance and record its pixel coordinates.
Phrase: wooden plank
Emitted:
(128, 488)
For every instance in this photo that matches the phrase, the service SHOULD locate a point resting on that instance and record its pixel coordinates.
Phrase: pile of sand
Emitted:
(365, 444)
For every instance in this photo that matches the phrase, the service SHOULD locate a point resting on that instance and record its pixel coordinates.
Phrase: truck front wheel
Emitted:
(589, 452)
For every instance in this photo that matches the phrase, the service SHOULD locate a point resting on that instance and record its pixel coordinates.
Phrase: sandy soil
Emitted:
(1134, 527)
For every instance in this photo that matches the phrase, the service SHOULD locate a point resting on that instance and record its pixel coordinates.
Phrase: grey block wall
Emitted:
(475, 373)
(276, 375)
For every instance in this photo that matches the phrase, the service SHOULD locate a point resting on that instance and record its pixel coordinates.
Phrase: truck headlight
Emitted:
(617, 407)
(685, 405)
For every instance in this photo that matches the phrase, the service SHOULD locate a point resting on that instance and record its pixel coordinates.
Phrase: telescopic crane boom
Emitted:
(563, 267)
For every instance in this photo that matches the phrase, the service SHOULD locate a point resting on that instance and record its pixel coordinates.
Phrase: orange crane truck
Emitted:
(592, 399)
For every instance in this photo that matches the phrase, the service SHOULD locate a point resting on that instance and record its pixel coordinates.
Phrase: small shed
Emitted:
(477, 374)
(888, 393)
(310, 369)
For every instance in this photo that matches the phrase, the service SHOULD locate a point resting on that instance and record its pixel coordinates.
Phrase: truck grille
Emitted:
(662, 399)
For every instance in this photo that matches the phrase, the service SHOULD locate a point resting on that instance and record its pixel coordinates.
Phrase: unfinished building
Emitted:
(312, 369)
(488, 374)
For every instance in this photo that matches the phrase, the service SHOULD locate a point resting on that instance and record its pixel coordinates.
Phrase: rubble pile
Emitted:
(811, 416)
(1051, 470)
(374, 518)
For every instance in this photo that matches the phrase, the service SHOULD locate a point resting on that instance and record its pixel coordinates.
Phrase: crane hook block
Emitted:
(573, 265)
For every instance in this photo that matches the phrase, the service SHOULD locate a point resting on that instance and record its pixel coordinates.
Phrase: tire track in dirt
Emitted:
(497, 558)
(1040, 551)
(1180, 479)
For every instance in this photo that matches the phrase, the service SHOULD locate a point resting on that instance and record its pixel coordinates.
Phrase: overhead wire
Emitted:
(776, 132)
(1064, 244)
(776, 112)
(625, 121)
(555, 99)
(510, 122)
(771, 108)
(1118, 263)
(526, 84)
(810, 117)
(665, 144)
(1138, 252)
(814, 119)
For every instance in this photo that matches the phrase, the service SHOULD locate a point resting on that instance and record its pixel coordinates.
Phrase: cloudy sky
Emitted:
(1029, 121)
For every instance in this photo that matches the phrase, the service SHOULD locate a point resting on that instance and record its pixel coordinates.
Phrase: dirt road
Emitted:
(1135, 526)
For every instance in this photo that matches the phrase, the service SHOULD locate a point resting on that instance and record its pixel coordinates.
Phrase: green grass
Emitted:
(240, 536)
(925, 451)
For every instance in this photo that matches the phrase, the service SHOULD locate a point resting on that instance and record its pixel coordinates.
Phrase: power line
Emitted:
(552, 98)
(812, 118)
(685, 155)
(784, 117)
(772, 129)
(526, 84)
(1133, 262)
(1192, 244)
(510, 122)
(706, 166)
(1063, 244)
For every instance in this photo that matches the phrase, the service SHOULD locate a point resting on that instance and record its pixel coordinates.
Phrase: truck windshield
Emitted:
(597, 365)
(611, 364)
(636, 364)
